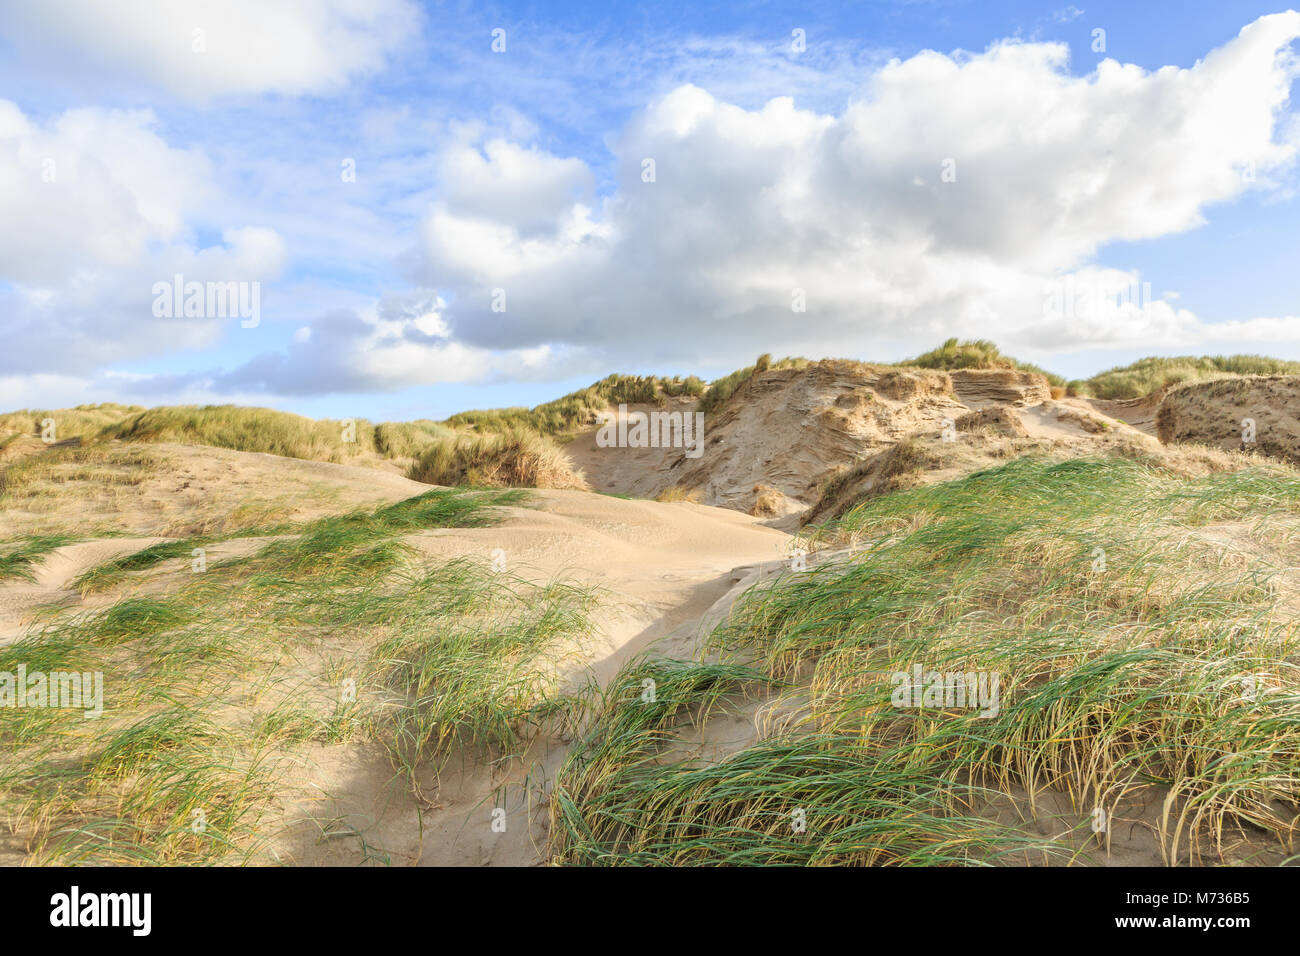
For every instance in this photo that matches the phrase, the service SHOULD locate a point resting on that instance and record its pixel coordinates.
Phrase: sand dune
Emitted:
(666, 574)
(178, 490)
(659, 569)
(786, 434)
(792, 445)
(54, 577)
(1255, 413)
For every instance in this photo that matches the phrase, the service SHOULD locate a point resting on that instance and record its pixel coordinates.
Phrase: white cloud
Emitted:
(247, 46)
(695, 268)
(531, 189)
(106, 316)
(97, 208)
(398, 342)
(748, 205)
(89, 188)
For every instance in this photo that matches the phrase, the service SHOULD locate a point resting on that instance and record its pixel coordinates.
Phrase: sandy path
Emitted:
(666, 573)
(653, 562)
(639, 472)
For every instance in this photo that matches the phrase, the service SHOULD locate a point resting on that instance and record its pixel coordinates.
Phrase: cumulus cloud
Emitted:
(399, 342)
(202, 48)
(962, 194)
(107, 316)
(97, 209)
(504, 181)
(90, 187)
(949, 199)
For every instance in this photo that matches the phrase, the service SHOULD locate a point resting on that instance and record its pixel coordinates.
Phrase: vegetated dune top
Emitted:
(824, 436)
(777, 435)
(806, 440)
(788, 428)
(178, 490)
(784, 434)
(782, 427)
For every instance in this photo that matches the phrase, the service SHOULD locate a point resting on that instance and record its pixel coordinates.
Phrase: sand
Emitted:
(174, 491)
(1255, 413)
(667, 572)
(783, 436)
(784, 429)
(660, 569)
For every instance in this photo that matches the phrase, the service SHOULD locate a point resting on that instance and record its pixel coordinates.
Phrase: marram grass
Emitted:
(1136, 657)
(211, 687)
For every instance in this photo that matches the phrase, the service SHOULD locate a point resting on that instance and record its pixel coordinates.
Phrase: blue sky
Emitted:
(1168, 158)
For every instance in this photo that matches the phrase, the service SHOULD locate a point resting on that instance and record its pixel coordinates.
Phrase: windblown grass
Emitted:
(1156, 373)
(803, 798)
(112, 574)
(1135, 657)
(212, 687)
(720, 390)
(514, 458)
(17, 557)
(468, 667)
(975, 353)
(249, 429)
(57, 469)
(82, 421)
(579, 409)
(408, 439)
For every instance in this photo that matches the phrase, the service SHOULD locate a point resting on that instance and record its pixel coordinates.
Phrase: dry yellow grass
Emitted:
(515, 458)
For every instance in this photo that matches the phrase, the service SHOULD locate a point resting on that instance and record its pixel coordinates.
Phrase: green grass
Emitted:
(1115, 683)
(112, 573)
(213, 686)
(1155, 373)
(579, 409)
(464, 668)
(249, 429)
(975, 353)
(324, 537)
(802, 799)
(18, 557)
